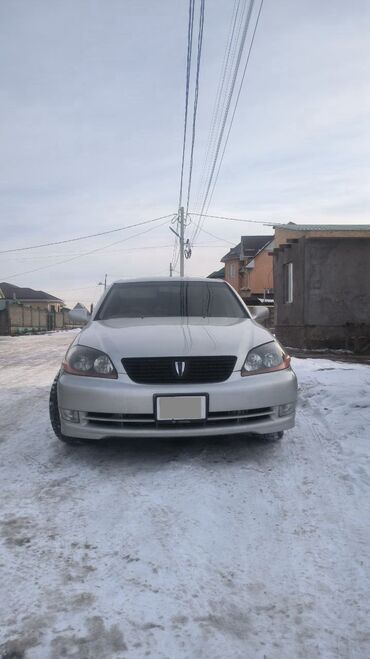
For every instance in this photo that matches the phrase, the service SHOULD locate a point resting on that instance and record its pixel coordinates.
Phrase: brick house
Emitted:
(249, 267)
(322, 286)
(30, 297)
(25, 310)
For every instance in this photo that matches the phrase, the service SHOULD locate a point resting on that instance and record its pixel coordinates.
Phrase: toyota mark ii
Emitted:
(173, 357)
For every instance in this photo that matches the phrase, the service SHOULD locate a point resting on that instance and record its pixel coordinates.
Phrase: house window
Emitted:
(232, 269)
(288, 283)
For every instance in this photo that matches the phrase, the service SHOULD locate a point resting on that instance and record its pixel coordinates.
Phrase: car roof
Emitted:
(163, 279)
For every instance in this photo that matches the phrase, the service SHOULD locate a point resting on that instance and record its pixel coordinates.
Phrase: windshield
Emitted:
(178, 298)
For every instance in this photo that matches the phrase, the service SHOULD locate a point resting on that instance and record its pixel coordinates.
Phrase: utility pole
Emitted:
(171, 270)
(104, 284)
(182, 246)
(181, 221)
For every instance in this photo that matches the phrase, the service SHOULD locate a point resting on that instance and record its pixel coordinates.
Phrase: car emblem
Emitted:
(180, 368)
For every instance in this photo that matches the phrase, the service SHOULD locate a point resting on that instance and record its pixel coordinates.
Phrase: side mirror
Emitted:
(259, 314)
(79, 316)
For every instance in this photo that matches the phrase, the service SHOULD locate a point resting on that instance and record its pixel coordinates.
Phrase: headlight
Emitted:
(265, 358)
(81, 360)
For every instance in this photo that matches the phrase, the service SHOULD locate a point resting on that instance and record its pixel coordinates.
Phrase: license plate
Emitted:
(181, 408)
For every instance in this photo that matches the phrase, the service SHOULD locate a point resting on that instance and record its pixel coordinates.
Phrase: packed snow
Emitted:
(230, 548)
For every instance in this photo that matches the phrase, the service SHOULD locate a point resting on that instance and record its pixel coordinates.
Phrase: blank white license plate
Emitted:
(181, 408)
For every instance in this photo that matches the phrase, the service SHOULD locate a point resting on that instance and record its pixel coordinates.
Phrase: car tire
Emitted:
(55, 416)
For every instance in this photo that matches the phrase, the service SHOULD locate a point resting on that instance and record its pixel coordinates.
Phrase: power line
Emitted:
(217, 161)
(80, 288)
(152, 274)
(93, 251)
(181, 215)
(218, 246)
(92, 235)
(236, 219)
(187, 86)
(218, 107)
(112, 251)
(227, 109)
(218, 237)
(196, 93)
(175, 253)
(236, 105)
(222, 91)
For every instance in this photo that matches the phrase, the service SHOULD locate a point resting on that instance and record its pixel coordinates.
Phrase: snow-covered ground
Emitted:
(203, 549)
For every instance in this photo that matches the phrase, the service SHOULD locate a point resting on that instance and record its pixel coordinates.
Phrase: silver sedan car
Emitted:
(172, 357)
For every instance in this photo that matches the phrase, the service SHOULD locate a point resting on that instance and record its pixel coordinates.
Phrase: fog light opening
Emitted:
(287, 409)
(71, 415)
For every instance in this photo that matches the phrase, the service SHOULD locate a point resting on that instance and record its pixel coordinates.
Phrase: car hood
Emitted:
(167, 337)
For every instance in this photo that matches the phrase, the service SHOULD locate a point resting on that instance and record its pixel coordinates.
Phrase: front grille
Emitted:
(189, 370)
(148, 421)
(106, 420)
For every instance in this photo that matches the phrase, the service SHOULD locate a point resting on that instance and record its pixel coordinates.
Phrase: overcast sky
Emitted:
(91, 114)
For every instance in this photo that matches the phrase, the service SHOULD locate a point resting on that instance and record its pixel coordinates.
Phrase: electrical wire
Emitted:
(80, 288)
(222, 92)
(235, 107)
(93, 251)
(225, 240)
(91, 235)
(226, 112)
(191, 13)
(195, 104)
(175, 250)
(223, 84)
(175, 243)
(187, 87)
(227, 109)
(176, 256)
(112, 251)
(237, 219)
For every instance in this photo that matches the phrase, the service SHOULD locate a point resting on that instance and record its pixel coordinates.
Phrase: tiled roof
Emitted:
(251, 245)
(218, 274)
(10, 291)
(234, 253)
(248, 247)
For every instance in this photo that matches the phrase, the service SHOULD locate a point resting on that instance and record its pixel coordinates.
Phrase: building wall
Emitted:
(261, 276)
(282, 235)
(26, 318)
(19, 319)
(256, 279)
(338, 271)
(43, 304)
(4, 322)
(331, 293)
(290, 314)
(232, 276)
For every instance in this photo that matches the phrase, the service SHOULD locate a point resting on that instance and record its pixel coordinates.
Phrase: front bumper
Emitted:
(121, 408)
